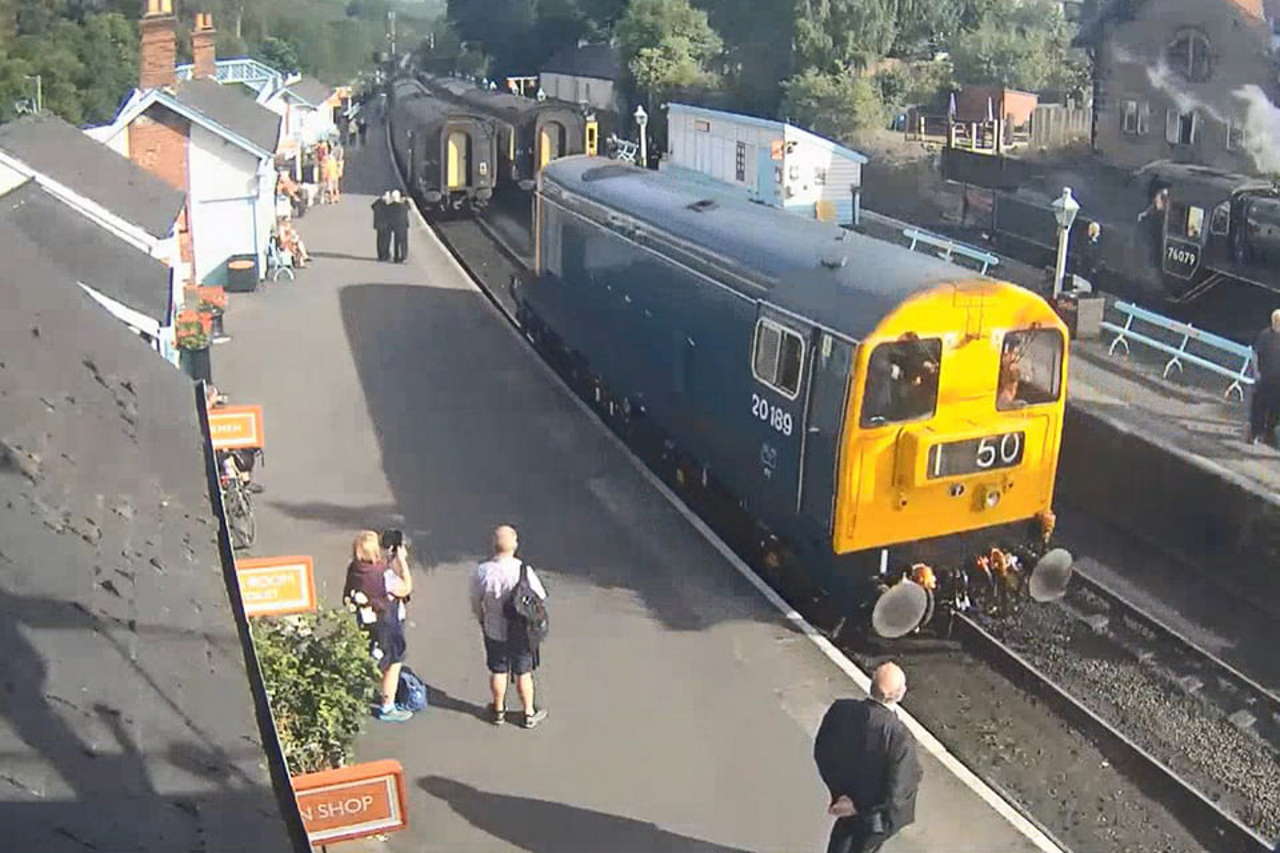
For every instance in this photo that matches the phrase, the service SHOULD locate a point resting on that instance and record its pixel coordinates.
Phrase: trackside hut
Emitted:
(129, 721)
(773, 162)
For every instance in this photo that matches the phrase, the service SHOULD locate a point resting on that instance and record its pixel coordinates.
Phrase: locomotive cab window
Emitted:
(1185, 221)
(902, 381)
(777, 358)
(1030, 369)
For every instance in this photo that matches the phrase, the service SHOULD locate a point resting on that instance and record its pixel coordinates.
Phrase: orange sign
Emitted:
(235, 426)
(273, 586)
(352, 802)
(776, 149)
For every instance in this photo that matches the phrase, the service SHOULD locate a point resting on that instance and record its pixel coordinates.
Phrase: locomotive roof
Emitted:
(841, 279)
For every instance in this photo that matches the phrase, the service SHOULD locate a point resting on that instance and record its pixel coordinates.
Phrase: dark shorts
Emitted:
(503, 657)
(386, 642)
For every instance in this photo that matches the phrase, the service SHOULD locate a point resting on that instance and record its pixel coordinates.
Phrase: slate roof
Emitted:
(231, 108)
(600, 61)
(311, 90)
(126, 721)
(54, 148)
(83, 251)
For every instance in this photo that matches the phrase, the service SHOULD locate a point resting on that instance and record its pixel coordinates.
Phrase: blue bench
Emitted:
(1227, 351)
(950, 247)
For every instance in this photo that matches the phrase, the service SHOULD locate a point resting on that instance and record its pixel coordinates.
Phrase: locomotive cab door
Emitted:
(780, 358)
(831, 364)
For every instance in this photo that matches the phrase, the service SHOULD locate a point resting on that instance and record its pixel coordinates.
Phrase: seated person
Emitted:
(292, 243)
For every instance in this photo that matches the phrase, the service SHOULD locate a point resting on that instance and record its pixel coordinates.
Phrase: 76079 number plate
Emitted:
(974, 455)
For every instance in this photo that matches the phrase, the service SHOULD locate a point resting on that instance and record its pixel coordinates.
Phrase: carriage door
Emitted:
(832, 360)
(550, 142)
(458, 167)
(779, 361)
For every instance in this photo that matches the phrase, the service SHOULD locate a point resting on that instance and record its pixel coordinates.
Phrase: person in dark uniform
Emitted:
(1089, 256)
(382, 224)
(399, 213)
(867, 759)
(1265, 405)
(362, 127)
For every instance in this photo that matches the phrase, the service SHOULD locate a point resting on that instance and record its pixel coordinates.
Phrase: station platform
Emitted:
(683, 702)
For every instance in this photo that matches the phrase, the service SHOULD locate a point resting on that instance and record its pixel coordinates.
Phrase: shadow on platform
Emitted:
(541, 826)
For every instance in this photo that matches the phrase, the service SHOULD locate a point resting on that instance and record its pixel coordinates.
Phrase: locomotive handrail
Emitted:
(1219, 345)
(950, 247)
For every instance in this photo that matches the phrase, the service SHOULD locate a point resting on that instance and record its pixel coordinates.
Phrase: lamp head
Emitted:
(640, 116)
(1065, 208)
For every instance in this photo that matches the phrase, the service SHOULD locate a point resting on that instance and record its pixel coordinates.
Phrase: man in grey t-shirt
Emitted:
(505, 654)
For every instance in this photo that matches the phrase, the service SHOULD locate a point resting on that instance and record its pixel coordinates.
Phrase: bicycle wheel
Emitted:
(240, 522)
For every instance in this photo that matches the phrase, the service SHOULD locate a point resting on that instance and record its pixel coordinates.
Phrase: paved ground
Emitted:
(682, 704)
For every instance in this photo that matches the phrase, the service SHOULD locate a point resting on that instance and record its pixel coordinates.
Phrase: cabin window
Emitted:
(740, 163)
(701, 126)
(1189, 56)
(902, 381)
(1185, 221)
(1030, 369)
(1220, 224)
(777, 358)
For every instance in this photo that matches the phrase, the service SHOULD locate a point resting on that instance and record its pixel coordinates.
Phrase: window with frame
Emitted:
(1220, 223)
(740, 163)
(1236, 140)
(1185, 221)
(1180, 128)
(777, 357)
(701, 126)
(1188, 54)
(902, 381)
(1030, 369)
(1136, 117)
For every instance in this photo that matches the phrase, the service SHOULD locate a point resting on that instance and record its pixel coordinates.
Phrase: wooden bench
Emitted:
(950, 247)
(1227, 352)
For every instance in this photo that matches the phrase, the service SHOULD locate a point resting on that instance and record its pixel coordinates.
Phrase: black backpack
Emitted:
(526, 611)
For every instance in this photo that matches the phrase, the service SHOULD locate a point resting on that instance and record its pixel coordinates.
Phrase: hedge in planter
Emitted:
(319, 678)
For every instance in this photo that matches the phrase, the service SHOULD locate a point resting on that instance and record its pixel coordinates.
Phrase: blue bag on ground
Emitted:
(411, 693)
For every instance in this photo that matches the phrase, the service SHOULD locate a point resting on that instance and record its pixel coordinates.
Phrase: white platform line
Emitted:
(923, 736)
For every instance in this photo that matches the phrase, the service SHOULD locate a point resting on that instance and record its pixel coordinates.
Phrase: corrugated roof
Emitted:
(85, 252)
(127, 721)
(311, 90)
(49, 145)
(230, 107)
(780, 252)
(600, 61)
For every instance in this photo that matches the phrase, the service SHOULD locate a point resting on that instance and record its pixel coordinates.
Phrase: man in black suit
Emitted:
(867, 759)
(399, 218)
(382, 224)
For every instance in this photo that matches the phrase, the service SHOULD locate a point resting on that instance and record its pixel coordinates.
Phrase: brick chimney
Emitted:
(159, 49)
(203, 54)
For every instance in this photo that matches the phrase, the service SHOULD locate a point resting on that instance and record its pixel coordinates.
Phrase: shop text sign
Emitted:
(231, 427)
(273, 586)
(352, 802)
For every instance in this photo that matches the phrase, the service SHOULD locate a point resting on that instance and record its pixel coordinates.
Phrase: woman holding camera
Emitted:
(378, 583)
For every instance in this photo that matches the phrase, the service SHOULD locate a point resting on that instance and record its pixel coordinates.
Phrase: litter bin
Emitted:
(242, 274)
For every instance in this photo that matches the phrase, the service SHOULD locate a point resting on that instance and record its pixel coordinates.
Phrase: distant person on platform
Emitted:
(382, 224)
(362, 127)
(506, 652)
(867, 759)
(1265, 406)
(399, 212)
(1089, 255)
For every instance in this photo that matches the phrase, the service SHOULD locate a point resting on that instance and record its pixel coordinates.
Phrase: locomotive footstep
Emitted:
(900, 610)
(1051, 575)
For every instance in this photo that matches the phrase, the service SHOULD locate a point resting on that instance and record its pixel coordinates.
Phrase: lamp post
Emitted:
(1065, 209)
(642, 119)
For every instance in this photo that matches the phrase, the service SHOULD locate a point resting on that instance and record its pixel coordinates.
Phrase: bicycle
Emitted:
(238, 504)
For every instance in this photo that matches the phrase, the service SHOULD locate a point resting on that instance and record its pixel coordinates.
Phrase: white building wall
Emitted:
(594, 91)
(224, 192)
(710, 146)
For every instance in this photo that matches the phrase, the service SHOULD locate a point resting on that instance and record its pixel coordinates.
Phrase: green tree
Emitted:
(835, 105)
(278, 53)
(1023, 45)
(319, 680)
(832, 35)
(668, 44)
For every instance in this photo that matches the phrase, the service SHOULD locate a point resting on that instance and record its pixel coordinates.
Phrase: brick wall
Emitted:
(158, 52)
(158, 142)
(203, 54)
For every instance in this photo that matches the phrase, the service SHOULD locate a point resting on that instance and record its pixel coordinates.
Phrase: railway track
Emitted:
(1212, 812)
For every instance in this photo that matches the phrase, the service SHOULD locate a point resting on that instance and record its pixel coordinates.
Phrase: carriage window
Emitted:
(778, 358)
(1030, 369)
(902, 381)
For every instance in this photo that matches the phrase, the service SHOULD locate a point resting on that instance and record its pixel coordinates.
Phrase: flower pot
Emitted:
(196, 364)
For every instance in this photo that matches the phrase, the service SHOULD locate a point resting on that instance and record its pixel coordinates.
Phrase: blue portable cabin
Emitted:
(732, 324)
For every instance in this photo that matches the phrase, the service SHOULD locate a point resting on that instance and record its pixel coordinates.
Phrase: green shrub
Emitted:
(833, 105)
(319, 677)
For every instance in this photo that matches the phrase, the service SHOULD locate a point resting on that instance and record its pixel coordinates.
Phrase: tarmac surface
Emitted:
(682, 703)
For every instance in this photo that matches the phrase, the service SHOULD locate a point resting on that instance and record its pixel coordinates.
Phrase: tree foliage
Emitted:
(1023, 45)
(835, 104)
(832, 35)
(319, 678)
(668, 44)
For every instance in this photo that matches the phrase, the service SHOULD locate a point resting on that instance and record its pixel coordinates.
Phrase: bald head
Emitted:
(1275, 320)
(889, 683)
(505, 540)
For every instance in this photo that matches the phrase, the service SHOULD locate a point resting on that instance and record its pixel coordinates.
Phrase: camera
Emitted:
(392, 539)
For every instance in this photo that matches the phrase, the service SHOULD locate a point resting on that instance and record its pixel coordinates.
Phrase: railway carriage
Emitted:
(447, 154)
(850, 395)
(531, 132)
